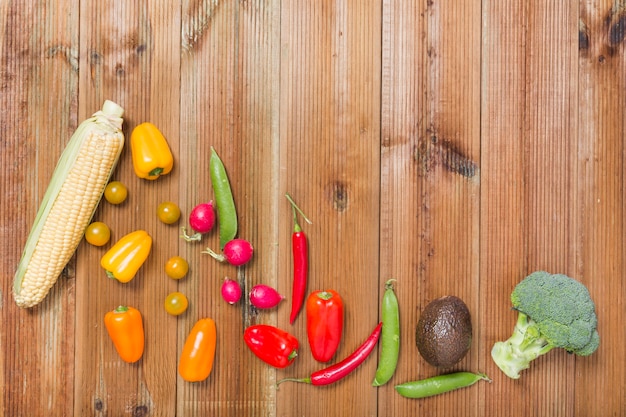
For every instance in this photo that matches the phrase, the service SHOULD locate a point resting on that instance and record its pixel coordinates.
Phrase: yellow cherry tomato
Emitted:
(98, 234)
(115, 192)
(176, 267)
(168, 212)
(176, 303)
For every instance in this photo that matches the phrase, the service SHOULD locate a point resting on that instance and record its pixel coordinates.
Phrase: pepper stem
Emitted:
(156, 172)
(294, 207)
(325, 295)
(216, 256)
(121, 309)
(302, 380)
(196, 237)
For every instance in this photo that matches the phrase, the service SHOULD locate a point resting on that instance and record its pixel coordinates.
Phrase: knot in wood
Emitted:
(339, 195)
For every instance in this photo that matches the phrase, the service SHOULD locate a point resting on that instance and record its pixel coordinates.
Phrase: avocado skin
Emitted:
(444, 331)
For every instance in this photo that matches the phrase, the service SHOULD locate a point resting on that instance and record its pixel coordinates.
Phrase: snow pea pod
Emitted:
(439, 384)
(225, 204)
(390, 337)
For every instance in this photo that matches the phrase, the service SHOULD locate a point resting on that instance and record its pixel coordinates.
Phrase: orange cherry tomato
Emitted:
(176, 303)
(115, 192)
(168, 212)
(176, 267)
(98, 234)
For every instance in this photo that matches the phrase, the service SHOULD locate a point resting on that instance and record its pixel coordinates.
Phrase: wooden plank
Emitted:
(550, 198)
(129, 55)
(430, 179)
(529, 222)
(404, 123)
(39, 85)
(503, 248)
(601, 198)
(330, 129)
(229, 70)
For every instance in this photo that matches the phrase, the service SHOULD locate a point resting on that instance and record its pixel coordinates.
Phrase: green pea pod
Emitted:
(224, 202)
(439, 384)
(390, 338)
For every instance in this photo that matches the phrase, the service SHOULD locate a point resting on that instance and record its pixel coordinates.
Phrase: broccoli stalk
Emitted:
(553, 311)
(525, 345)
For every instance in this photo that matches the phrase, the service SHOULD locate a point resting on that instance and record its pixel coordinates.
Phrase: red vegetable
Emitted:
(264, 296)
(324, 322)
(231, 291)
(339, 370)
(300, 262)
(236, 252)
(272, 345)
(201, 220)
(202, 217)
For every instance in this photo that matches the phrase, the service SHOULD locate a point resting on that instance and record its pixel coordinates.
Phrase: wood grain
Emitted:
(453, 146)
(601, 131)
(532, 141)
(330, 127)
(430, 178)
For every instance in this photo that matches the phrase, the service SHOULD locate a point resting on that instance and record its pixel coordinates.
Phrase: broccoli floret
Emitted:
(555, 311)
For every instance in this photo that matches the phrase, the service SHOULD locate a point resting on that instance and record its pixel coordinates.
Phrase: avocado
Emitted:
(444, 331)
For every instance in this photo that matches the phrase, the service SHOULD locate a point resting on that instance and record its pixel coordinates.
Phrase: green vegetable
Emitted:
(555, 311)
(225, 204)
(439, 384)
(390, 337)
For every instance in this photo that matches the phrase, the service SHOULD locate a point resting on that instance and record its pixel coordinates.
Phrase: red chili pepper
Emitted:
(339, 370)
(272, 345)
(300, 262)
(324, 320)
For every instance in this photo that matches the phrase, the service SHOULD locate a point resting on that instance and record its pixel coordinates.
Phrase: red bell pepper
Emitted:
(272, 345)
(341, 369)
(324, 312)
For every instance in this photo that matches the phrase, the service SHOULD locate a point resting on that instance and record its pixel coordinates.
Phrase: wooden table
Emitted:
(455, 146)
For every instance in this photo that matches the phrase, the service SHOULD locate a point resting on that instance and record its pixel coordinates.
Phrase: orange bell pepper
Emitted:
(125, 258)
(151, 153)
(196, 359)
(125, 328)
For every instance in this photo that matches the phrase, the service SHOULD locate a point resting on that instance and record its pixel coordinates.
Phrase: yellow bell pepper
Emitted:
(125, 258)
(151, 153)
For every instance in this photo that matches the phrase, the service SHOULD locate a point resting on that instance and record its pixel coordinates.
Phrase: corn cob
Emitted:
(73, 194)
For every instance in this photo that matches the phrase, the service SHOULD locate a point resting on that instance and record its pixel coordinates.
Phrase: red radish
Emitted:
(231, 291)
(201, 220)
(264, 296)
(236, 252)
(202, 217)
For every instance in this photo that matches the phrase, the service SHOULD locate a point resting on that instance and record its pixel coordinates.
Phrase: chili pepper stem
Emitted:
(196, 237)
(217, 256)
(300, 380)
(295, 207)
